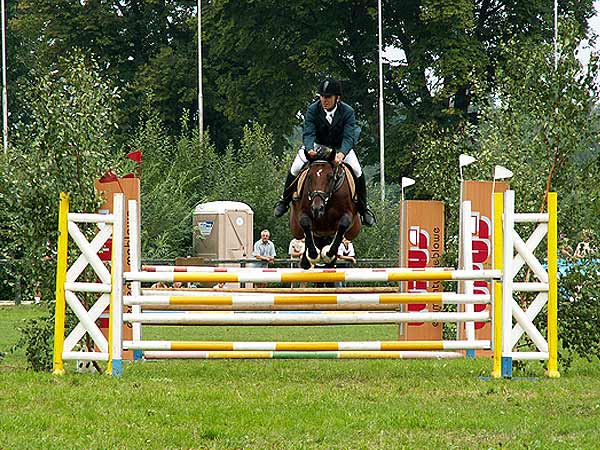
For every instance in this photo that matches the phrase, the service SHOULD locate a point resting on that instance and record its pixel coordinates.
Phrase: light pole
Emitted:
(555, 34)
(381, 116)
(200, 97)
(4, 84)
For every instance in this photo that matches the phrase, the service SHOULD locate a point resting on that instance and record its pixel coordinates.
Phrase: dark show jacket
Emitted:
(341, 135)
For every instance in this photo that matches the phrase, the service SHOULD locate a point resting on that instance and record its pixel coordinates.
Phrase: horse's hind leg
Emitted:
(329, 252)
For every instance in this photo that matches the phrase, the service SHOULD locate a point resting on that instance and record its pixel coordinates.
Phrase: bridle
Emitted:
(325, 196)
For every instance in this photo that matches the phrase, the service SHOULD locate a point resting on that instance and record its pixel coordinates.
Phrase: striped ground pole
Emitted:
(300, 355)
(305, 346)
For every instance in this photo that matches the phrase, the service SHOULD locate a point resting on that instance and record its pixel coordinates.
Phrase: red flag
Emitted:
(109, 176)
(135, 156)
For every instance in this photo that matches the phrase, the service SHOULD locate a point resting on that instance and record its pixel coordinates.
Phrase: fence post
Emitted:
(552, 370)
(61, 276)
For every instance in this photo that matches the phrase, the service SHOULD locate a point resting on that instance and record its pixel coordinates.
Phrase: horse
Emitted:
(324, 212)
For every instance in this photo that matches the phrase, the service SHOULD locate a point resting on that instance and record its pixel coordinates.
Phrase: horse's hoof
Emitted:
(305, 264)
(313, 261)
(325, 257)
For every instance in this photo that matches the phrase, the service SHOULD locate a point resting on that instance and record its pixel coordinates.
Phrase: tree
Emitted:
(64, 146)
(453, 51)
(540, 122)
(124, 37)
(263, 59)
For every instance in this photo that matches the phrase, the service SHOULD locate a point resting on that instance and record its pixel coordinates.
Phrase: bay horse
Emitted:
(324, 212)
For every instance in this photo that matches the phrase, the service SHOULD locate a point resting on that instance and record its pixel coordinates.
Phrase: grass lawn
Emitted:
(292, 404)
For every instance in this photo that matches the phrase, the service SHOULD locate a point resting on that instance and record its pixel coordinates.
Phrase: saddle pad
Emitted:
(347, 173)
(350, 178)
(299, 183)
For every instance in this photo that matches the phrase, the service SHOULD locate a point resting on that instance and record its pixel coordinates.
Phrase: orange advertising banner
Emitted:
(131, 188)
(480, 195)
(421, 245)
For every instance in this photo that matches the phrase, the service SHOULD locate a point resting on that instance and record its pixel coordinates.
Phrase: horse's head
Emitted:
(320, 184)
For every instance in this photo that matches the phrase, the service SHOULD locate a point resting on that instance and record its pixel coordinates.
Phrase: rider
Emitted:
(331, 123)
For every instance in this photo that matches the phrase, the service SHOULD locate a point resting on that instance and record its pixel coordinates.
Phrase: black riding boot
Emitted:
(283, 203)
(367, 216)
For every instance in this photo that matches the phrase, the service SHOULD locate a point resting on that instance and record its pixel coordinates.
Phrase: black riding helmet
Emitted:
(330, 87)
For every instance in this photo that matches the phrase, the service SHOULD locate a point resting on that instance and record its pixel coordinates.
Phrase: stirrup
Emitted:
(368, 217)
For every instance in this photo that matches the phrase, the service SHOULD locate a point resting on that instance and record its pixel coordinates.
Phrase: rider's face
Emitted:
(328, 102)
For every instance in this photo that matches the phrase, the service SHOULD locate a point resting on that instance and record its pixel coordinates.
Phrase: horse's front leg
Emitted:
(329, 252)
(311, 254)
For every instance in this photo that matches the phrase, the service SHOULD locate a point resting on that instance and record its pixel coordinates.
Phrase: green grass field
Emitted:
(337, 404)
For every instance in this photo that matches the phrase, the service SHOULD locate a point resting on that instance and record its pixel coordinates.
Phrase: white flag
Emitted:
(406, 182)
(465, 160)
(501, 173)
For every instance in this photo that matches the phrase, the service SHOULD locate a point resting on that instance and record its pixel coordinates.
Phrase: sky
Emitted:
(594, 23)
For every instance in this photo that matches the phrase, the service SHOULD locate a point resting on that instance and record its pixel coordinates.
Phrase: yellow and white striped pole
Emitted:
(497, 297)
(314, 276)
(61, 276)
(552, 371)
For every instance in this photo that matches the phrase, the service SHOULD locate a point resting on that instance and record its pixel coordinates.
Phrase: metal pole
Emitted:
(4, 84)
(200, 97)
(381, 116)
(555, 34)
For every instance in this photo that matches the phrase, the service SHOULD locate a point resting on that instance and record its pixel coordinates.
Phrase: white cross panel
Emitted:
(88, 257)
(524, 319)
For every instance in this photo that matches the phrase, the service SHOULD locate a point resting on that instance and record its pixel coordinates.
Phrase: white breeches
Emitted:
(349, 159)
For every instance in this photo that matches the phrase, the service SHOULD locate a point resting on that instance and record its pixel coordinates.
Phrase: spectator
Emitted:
(566, 251)
(296, 250)
(346, 252)
(583, 248)
(346, 256)
(264, 251)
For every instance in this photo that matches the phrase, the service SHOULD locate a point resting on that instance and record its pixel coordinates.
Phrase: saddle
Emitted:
(346, 173)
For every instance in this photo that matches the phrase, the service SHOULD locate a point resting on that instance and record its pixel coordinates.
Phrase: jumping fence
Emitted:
(128, 302)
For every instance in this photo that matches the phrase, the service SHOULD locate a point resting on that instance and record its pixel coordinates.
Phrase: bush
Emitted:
(382, 240)
(579, 310)
(37, 338)
(180, 172)
(174, 180)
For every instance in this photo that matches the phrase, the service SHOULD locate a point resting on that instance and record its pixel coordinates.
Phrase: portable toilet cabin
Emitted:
(223, 230)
